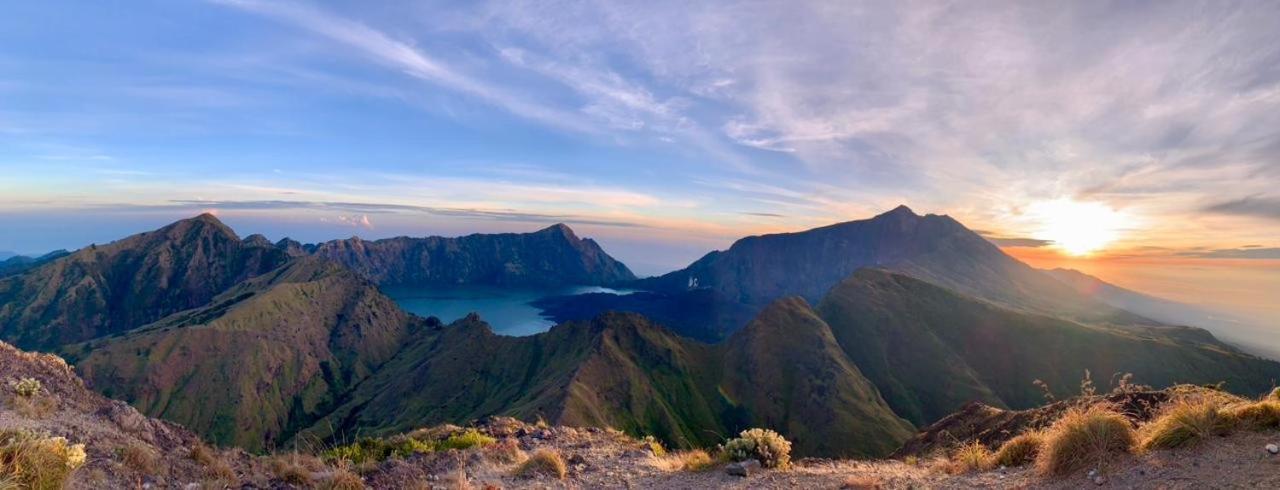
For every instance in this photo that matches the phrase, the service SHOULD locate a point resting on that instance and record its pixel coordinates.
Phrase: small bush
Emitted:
(466, 440)
(543, 462)
(1185, 423)
(1261, 415)
(764, 445)
(37, 461)
(1019, 451)
(375, 450)
(968, 458)
(1084, 437)
(27, 387)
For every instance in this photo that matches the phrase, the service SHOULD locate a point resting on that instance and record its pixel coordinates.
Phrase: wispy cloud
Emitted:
(374, 208)
(1255, 206)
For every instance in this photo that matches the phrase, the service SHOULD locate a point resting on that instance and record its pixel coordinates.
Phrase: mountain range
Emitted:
(845, 338)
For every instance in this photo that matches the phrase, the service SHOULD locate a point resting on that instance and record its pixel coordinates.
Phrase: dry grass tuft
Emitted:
(213, 465)
(505, 451)
(1185, 423)
(341, 478)
(543, 462)
(1261, 415)
(692, 460)
(137, 458)
(1274, 395)
(35, 407)
(968, 458)
(864, 482)
(1019, 451)
(37, 461)
(295, 468)
(1084, 438)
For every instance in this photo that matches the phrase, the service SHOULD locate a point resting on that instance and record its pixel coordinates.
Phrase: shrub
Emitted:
(969, 457)
(27, 387)
(1257, 415)
(1019, 451)
(764, 445)
(36, 461)
(1184, 423)
(466, 440)
(543, 462)
(377, 450)
(1084, 437)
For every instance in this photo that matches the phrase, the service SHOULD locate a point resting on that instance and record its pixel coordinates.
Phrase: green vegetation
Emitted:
(763, 445)
(1019, 451)
(27, 387)
(375, 450)
(37, 461)
(1084, 438)
(1184, 423)
(545, 462)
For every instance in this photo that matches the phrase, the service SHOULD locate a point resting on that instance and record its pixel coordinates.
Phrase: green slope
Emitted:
(785, 371)
(930, 350)
(264, 359)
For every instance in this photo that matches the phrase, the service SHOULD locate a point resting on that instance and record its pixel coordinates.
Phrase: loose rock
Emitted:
(1273, 449)
(743, 468)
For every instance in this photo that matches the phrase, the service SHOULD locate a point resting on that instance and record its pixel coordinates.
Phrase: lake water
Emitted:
(507, 310)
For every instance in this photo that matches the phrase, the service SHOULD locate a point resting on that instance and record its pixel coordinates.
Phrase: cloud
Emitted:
(361, 221)
(1254, 206)
(1013, 241)
(374, 208)
(412, 61)
(1236, 253)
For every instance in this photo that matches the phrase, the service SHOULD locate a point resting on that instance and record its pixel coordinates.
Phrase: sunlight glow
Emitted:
(1077, 228)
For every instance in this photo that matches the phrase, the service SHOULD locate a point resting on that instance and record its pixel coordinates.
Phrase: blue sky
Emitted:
(664, 129)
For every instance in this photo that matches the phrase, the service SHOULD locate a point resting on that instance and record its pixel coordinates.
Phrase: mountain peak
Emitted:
(902, 210)
(560, 229)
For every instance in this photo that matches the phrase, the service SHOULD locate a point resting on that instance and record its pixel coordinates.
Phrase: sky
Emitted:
(1127, 138)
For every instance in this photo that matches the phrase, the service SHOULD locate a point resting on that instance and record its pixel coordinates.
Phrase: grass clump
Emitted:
(968, 458)
(341, 478)
(466, 440)
(37, 461)
(1185, 423)
(1260, 415)
(137, 458)
(764, 445)
(213, 465)
(27, 387)
(1274, 396)
(692, 460)
(1019, 451)
(543, 462)
(654, 446)
(1082, 438)
(295, 469)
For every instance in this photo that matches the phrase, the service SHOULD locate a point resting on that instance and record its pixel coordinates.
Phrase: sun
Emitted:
(1077, 228)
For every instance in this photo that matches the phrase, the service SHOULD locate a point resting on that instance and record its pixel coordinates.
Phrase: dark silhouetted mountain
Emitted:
(619, 370)
(111, 288)
(938, 249)
(553, 256)
(930, 350)
(260, 361)
(20, 263)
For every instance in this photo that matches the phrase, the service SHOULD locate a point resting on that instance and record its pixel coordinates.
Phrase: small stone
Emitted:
(743, 468)
(1092, 473)
(1273, 449)
(1099, 480)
